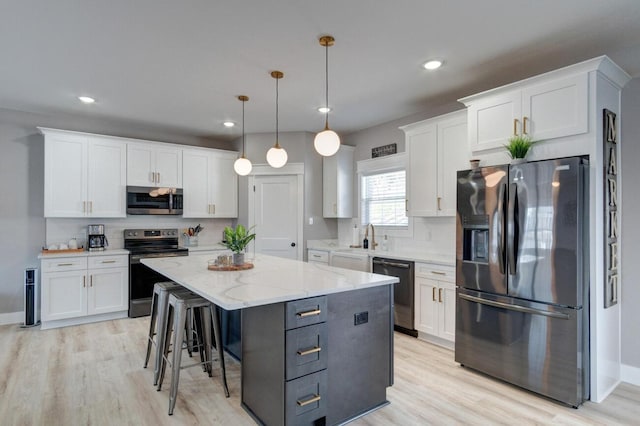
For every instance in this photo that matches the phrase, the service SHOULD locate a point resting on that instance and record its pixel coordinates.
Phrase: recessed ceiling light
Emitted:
(324, 110)
(432, 64)
(86, 99)
(228, 124)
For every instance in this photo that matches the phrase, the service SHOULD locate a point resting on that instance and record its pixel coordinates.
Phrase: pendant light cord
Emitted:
(243, 135)
(277, 143)
(326, 91)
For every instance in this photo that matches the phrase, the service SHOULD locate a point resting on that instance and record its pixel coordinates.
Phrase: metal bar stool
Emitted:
(159, 303)
(202, 311)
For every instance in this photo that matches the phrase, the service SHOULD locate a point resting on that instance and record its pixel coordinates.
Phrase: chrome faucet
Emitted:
(373, 243)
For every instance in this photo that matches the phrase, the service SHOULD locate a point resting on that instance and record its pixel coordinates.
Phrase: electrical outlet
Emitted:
(311, 220)
(361, 318)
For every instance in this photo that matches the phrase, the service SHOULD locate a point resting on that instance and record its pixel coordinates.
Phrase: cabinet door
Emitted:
(337, 184)
(447, 311)
(140, 164)
(556, 109)
(108, 290)
(64, 295)
(491, 120)
(427, 315)
(422, 184)
(330, 186)
(168, 166)
(65, 177)
(224, 185)
(107, 178)
(453, 155)
(195, 180)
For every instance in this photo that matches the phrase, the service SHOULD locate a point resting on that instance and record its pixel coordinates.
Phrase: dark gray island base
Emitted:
(320, 360)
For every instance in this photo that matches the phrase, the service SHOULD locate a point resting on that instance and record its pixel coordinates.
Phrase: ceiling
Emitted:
(181, 65)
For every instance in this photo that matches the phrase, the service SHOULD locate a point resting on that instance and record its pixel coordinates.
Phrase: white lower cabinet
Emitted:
(84, 289)
(435, 302)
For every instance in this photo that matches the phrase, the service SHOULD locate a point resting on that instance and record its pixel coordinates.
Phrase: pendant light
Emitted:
(327, 142)
(277, 156)
(243, 166)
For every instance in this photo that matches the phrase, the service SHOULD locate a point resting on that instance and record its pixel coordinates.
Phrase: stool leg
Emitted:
(152, 323)
(161, 332)
(206, 348)
(197, 314)
(167, 343)
(178, 336)
(218, 341)
(189, 331)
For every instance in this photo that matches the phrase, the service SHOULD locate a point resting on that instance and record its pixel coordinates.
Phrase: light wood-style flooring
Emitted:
(92, 375)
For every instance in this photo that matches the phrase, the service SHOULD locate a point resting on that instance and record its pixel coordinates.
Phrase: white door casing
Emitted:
(276, 208)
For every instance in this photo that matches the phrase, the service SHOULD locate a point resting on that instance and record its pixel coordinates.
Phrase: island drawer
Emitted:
(436, 272)
(114, 261)
(306, 350)
(306, 399)
(303, 312)
(320, 256)
(62, 264)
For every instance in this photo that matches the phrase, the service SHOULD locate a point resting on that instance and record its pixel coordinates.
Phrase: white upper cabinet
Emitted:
(210, 184)
(546, 108)
(85, 175)
(437, 148)
(154, 164)
(337, 184)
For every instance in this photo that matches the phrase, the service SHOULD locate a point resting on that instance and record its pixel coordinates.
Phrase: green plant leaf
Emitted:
(238, 238)
(519, 146)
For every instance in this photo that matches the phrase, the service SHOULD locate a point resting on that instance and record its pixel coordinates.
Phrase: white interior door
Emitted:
(276, 214)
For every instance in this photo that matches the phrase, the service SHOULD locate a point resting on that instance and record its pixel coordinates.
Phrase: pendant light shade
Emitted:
(277, 156)
(243, 166)
(327, 142)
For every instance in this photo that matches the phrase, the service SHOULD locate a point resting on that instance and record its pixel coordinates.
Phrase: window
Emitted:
(382, 195)
(383, 198)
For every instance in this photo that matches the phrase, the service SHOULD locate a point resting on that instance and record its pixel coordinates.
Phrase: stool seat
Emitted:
(205, 315)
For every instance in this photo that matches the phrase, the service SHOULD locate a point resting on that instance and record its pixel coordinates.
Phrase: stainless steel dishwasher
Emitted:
(403, 293)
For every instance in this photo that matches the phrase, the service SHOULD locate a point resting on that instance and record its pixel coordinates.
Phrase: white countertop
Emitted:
(108, 252)
(272, 280)
(208, 247)
(416, 256)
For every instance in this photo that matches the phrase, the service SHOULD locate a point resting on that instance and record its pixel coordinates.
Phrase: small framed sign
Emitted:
(381, 151)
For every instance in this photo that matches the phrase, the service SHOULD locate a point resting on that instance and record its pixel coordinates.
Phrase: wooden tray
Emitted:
(230, 267)
(67, 251)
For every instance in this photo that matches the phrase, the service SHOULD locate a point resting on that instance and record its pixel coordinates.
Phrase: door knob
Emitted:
(293, 244)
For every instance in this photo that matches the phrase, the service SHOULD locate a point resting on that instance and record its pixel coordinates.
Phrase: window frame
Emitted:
(389, 163)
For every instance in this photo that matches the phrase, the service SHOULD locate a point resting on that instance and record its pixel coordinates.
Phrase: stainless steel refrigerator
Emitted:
(522, 274)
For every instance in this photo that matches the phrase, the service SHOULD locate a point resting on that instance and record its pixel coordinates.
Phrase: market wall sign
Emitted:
(612, 253)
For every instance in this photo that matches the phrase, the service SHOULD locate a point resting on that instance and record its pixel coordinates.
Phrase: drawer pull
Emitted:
(310, 351)
(438, 273)
(108, 261)
(314, 398)
(317, 255)
(65, 264)
(309, 313)
(440, 295)
(433, 293)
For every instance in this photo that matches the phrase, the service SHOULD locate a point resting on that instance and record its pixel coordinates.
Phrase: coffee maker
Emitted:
(96, 240)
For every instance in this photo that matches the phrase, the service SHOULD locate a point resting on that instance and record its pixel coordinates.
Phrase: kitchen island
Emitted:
(317, 341)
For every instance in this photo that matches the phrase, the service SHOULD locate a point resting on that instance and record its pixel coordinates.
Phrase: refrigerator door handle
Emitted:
(518, 308)
(501, 228)
(513, 228)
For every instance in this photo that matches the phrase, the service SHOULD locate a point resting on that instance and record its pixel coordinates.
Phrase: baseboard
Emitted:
(83, 320)
(630, 374)
(12, 318)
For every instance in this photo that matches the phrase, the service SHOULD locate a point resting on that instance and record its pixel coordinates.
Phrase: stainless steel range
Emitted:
(146, 243)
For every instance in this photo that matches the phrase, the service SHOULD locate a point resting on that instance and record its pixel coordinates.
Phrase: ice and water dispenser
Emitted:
(475, 238)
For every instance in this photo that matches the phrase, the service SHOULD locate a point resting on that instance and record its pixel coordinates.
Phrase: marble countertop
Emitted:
(272, 280)
(207, 247)
(108, 252)
(416, 256)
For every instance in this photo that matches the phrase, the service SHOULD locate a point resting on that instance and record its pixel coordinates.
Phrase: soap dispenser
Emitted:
(385, 243)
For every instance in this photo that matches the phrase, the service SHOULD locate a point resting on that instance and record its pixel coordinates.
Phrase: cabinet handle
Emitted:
(515, 127)
(90, 280)
(524, 125)
(316, 255)
(440, 295)
(439, 198)
(84, 207)
(310, 351)
(90, 206)
(152, 176)
(438, 273)
(406, 205)
(213, 208)
(158, 177)
(433, 293)
(65, 264)
(84, 281)
(309, 313)
(335, 208)
(108, 261)
(314, 398)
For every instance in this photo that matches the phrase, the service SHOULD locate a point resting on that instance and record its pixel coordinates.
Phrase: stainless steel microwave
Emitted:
(150, 200)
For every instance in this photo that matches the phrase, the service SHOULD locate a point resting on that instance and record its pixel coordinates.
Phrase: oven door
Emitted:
(141, 282)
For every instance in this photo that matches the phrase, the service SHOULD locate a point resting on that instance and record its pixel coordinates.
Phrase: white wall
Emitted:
(630, 229)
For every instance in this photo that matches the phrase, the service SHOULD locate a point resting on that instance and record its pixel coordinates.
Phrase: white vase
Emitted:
(238, 259)
(518, 161)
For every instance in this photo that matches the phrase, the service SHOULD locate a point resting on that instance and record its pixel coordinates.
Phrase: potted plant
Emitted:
(518, 147)
(236, 240)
